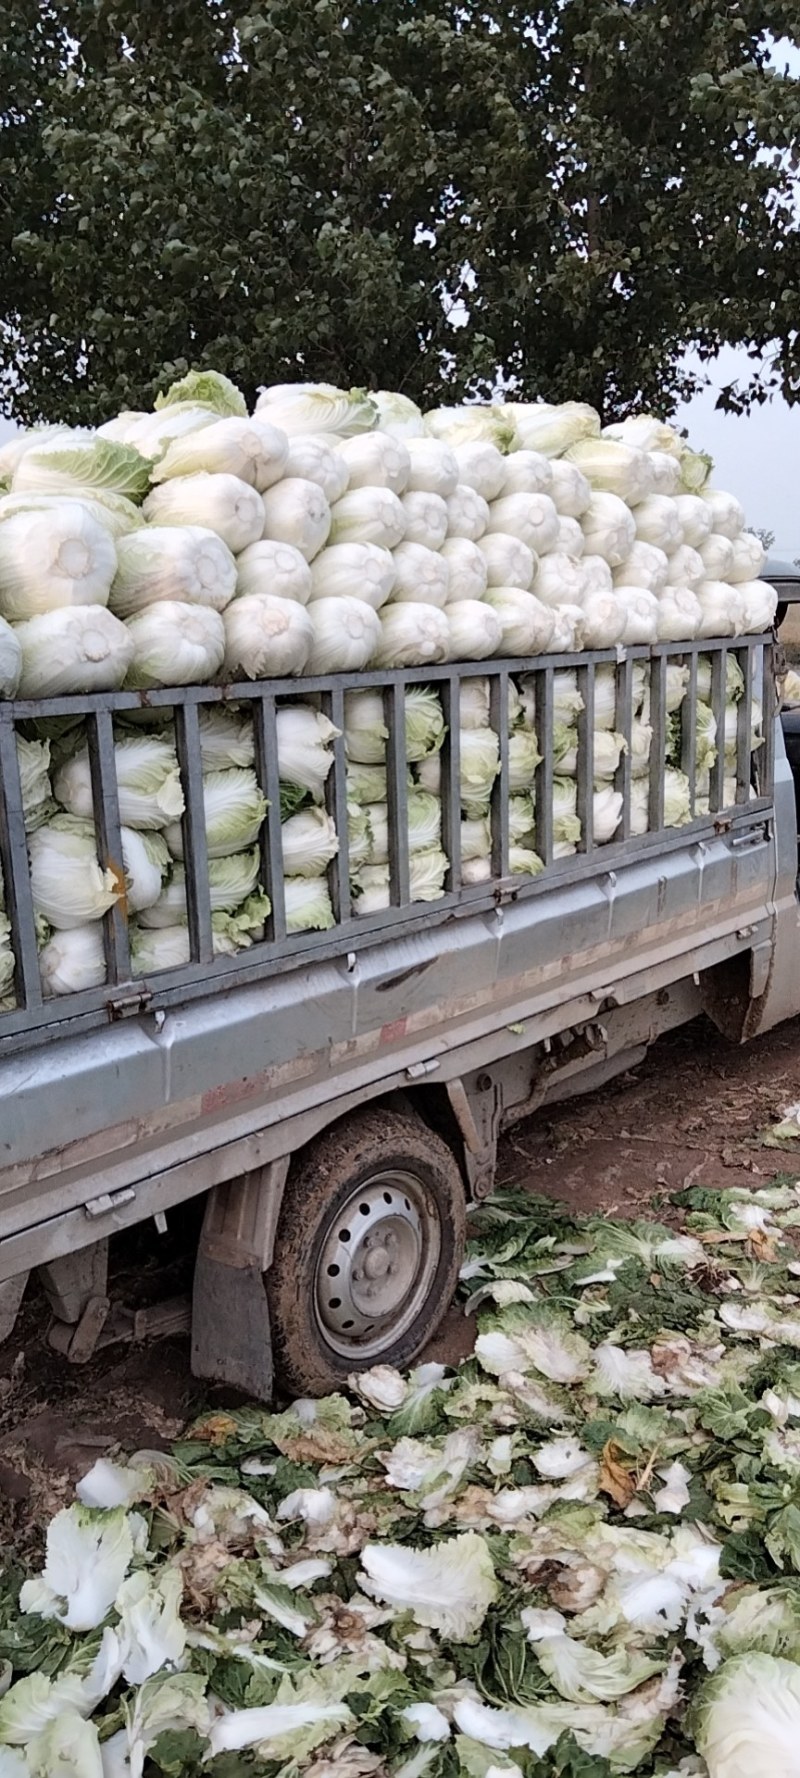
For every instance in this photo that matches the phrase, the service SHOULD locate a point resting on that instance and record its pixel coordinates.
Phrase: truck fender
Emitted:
(231, 1340)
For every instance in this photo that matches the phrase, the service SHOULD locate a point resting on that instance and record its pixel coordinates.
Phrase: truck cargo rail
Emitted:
(35, 1017)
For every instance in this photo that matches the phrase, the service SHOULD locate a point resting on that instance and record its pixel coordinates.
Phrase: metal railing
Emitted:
(35, 1016)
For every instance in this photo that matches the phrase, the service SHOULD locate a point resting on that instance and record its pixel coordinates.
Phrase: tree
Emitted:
(33, 48)
(420, 194)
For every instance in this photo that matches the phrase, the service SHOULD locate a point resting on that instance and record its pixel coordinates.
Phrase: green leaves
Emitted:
(725, 1412)
(568, 1760)
(783, 1538)
(501, 1663)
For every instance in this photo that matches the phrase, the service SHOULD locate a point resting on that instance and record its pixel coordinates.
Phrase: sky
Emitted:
(756, 457)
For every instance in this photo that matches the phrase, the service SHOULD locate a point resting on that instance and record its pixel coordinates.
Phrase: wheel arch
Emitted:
(231, 1333)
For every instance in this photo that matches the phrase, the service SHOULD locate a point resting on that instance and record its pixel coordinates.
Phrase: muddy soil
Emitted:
(693, 1112)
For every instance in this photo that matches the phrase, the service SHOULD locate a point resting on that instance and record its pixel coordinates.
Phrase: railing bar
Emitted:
(543, 777)
(769, 705)
(105, 803)
(744, 717)
(623, 723)
(195, 850)
(450, 782)
(498, 809)
(719, 674)
(336, 805)
(16, 873)
(658, 744)
(689, 734)
(584, 800)
(265, 735)
(396, 795)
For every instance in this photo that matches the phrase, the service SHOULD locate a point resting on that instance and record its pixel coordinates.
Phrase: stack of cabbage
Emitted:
(72, 893)
(334, 532)
(331, 532)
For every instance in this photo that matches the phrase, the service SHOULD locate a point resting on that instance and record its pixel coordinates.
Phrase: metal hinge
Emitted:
(130, 1004)
(109, 1201)
(504, 894)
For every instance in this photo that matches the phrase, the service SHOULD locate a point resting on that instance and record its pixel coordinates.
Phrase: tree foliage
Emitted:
(410, 193)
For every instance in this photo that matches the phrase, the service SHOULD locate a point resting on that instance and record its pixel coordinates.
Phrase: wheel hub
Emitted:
(376, 1264)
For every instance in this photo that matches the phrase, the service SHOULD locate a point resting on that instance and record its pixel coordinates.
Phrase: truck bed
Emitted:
(120, 1102)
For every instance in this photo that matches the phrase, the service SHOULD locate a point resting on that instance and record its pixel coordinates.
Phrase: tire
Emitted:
(369, 1245)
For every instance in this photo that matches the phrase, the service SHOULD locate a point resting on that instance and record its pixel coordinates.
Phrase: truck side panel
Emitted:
(164, 1092)
(119, 1107)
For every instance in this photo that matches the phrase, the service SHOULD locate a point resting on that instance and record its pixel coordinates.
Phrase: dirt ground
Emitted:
(693, 1112)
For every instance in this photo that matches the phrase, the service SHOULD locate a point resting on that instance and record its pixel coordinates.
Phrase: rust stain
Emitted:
(118, 873)
(235, 1092)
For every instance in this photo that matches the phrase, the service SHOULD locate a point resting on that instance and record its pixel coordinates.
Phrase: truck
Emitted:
(334, 1099)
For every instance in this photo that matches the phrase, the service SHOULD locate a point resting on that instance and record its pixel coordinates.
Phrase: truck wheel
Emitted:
(368, 1249)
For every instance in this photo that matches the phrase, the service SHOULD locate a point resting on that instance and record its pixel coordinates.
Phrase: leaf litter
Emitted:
(559, 1559)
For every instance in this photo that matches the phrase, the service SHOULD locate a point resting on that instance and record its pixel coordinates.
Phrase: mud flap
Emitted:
(231, 1341)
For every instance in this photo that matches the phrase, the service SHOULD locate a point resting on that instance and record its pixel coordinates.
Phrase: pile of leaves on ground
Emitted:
(575, 1555)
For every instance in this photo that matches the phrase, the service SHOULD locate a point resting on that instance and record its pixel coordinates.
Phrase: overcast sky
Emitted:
(758, 458)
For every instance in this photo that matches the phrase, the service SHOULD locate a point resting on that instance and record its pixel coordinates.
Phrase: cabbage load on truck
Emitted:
(367, 780)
